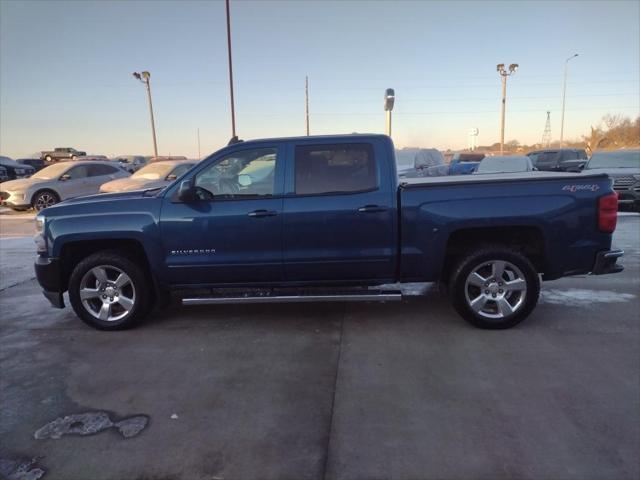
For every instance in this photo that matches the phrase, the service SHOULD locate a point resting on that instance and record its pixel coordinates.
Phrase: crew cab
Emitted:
(61, 153)
(324, 218)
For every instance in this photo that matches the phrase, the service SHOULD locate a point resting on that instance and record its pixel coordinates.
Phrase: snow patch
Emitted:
(576, 297)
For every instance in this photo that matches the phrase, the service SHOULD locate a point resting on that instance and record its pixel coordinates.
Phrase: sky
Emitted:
(65, 71)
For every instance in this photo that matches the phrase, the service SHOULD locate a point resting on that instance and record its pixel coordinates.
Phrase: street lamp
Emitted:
(234, 137)
(145, 78)
(389, 99)
(504, 74)
(564, 93)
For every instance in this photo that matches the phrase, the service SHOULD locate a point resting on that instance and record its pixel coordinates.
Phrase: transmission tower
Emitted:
(546, 136)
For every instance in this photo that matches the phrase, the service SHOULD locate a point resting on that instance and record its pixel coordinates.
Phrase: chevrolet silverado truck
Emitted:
(61, 153)
(324, 218)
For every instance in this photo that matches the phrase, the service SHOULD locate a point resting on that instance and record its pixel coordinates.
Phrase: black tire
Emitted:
(482, 260)
(140, 284)
(39, 199)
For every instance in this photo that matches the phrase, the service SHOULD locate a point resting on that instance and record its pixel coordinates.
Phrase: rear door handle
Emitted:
(372, 209)
(262, 213)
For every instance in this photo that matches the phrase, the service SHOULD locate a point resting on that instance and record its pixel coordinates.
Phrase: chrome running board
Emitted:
(353, 297)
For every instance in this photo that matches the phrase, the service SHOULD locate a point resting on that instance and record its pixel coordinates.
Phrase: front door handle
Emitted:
(372, 209)
(262, 213)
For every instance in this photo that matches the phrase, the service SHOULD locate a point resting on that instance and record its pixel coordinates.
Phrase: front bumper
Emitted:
(49, 277)
(606, 262)
(14, 200)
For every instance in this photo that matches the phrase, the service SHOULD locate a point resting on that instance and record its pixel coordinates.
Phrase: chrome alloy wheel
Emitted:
(45, 200)
(495, 289)
(107, 293)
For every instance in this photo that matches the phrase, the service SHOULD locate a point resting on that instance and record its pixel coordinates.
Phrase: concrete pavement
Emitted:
(340, 391)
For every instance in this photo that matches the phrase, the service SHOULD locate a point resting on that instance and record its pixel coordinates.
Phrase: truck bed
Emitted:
(555, 209)
(497, 177)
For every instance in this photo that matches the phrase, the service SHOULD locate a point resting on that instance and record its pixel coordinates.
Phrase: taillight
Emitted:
(608, 212)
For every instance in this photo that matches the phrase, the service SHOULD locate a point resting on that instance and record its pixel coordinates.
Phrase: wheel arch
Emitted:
(38, 190)
(74, 252)
(527, 239)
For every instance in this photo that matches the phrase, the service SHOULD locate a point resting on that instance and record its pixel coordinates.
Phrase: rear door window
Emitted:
(100, 170)
(339, 168)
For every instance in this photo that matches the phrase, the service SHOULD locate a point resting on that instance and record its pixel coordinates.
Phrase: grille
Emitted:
(624, 181)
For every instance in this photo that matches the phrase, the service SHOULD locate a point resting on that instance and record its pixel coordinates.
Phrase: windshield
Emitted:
(619, 159)
(51, 172)
(154, 171)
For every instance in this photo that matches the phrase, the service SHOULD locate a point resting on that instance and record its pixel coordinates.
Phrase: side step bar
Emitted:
(353, 297)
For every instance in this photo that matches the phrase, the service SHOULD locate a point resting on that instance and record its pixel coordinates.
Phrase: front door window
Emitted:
(243, 174)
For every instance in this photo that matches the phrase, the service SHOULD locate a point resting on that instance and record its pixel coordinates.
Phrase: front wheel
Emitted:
(108, 291)
(44, 199)
(494, 287)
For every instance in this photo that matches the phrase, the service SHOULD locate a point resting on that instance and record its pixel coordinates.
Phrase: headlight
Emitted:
(16, 195)
(39, 239)
(637, 177)
(40, 219)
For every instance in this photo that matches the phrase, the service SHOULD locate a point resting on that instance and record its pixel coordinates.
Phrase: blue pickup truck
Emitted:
(324, 218)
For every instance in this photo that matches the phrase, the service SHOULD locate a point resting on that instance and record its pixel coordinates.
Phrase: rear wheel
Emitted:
(44, 199)
(108, 291)
(494, 287)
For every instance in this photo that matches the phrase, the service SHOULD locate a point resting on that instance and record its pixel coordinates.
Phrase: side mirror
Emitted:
(187, 191)
(244, 180)
(65, 177)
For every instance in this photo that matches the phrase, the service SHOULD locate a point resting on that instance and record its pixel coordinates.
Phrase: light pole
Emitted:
(145, 78)
(504, 74)
(389, 99)
(233, 110)
(564, 94)
(306, 101)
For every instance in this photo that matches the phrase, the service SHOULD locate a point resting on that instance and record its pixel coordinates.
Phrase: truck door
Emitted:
(339, 213)
(232, 232)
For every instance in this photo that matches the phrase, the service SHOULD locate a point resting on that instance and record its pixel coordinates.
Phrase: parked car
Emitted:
(465, 163)
(559, 159)
(58, 182)
(131, 163)
(505, 164)
(16, 170)
(328, 213)
(154, 175)
(3, 174)
(61, 153)
(623, 166)
(36, 163)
